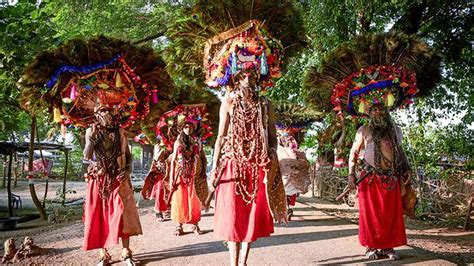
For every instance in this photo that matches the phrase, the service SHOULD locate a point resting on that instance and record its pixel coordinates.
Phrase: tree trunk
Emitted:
(410, 22)
(44, 168)
(30, 169)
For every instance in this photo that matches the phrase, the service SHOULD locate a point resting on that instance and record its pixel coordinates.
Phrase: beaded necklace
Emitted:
(247, 147)
(186, 158)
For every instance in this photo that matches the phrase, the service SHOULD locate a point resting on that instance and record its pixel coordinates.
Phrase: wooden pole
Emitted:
(4, 165)
(9, 187)
(15, 170)
(66, 152)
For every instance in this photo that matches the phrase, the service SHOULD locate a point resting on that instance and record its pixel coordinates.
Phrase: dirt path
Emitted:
(313, 237)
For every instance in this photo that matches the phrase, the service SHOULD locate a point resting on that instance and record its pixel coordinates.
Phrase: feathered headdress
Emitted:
(388, 69)
(207, 19)
(70, 78)
(248, 46)
(167, 129)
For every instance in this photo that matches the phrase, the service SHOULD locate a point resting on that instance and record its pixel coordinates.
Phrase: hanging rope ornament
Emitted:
(246, 148)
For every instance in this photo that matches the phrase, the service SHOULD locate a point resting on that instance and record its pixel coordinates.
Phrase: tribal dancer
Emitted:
(185, 160)
(368, 82)
(156, 182)
(245, 146)
(294, 169)
(110, 212)
(383, 164)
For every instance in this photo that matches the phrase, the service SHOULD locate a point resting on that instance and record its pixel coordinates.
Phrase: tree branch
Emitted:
(11, 103)
(410, 22)
(149, 38)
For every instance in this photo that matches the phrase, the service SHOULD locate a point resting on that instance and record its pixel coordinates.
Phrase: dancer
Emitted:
(110, 212)
(244, 151)
(383, 165)
(156, 182)
(185, 160)
(294, 169)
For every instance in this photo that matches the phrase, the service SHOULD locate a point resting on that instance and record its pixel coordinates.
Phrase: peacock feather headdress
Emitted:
(199, 23)
(388, 69)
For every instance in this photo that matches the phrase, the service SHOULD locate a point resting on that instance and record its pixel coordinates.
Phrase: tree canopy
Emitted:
(30, 27)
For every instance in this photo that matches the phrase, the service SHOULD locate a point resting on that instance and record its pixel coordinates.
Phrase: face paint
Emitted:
(188, 129)
(104, 117)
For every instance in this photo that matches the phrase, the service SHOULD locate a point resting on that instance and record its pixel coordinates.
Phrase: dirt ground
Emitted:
(320, 233)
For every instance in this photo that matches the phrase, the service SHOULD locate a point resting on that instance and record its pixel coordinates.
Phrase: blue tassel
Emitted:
(233, 69)
(263, 65)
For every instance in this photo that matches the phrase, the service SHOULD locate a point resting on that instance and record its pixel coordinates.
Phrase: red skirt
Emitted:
(236, 221)
(102, 219)
(185, 205)
(381, 222)
(159, 191)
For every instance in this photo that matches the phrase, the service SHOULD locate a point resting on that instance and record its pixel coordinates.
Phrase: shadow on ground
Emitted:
(218, 246)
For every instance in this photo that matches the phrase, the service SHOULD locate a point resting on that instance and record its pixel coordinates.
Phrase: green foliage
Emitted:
(290, 85)
(136, 153)
(26, 30)
(140, 21)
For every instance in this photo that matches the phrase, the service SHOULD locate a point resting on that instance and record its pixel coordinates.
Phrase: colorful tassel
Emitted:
(390, 99)
(118, 81)
(181, 118)
(154, 96)
(263, 65)
(56, 115)
(233, 69)
(361, 108)
(73, 92)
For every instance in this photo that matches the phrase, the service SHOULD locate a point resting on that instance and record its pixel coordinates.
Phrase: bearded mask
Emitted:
(379, 117)
(105, 117)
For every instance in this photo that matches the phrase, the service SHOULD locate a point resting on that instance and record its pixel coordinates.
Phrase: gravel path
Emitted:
(313, 237)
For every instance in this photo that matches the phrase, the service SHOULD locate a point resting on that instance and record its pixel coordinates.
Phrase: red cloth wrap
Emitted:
(102, 219)
(236, 221)
(381, 222)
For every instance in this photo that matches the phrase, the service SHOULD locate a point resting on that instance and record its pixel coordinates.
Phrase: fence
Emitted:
(437, 199)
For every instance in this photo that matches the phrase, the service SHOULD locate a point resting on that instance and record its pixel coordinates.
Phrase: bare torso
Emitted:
(364, 146)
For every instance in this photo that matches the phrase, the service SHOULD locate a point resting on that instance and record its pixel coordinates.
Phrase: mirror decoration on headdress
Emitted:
(118, 88)
(248, 46)
(391, 86)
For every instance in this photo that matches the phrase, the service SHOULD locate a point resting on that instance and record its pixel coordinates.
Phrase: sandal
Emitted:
(179, 230)
(197, 230)
(104, 259)
(128, 259)
(390, 253)
(289, 214)
(372, 254)
(159, 217)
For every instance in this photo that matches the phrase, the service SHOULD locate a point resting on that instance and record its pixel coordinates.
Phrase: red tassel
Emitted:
(73, 92)
(155, 96)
